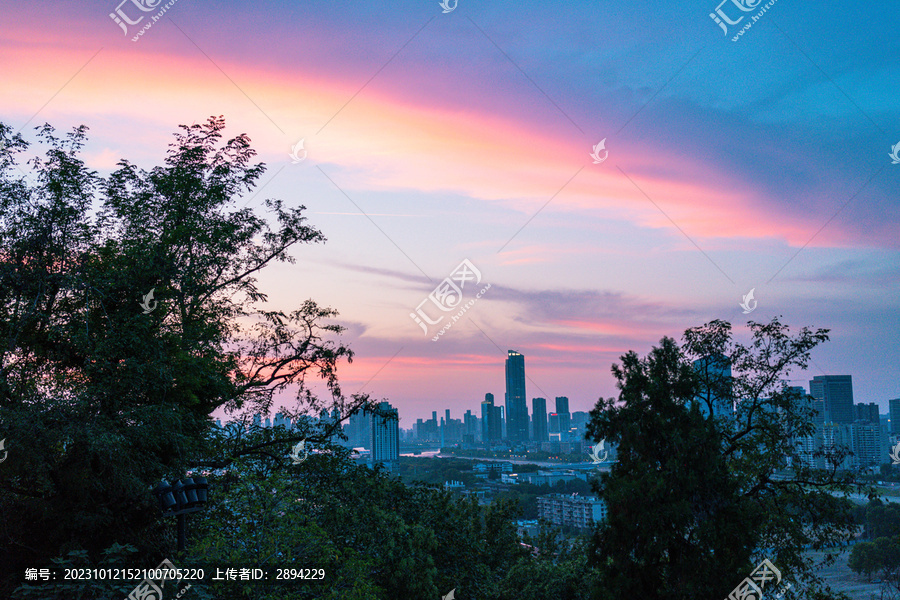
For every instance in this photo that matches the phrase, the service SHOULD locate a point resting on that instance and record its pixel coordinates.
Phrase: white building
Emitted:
(575, 511)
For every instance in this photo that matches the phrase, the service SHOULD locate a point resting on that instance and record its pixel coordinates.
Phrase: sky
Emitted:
(433, 135)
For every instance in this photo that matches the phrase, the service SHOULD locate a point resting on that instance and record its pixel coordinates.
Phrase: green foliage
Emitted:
(881, 556)
(864, 559)
(99, 400)
(558, 570)
(694, 493)
(374, 536)
(882, 520)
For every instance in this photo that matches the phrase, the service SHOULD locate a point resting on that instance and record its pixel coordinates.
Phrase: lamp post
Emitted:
(186, 496)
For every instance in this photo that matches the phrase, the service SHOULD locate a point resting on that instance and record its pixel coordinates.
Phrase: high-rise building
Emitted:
(836, 394)
(894, 414)
(866, 444)
(810, 444)
(516, 406)
(715, 385)
(867, 412)
(539, 418)
(470, 423)
(359, 429)
(486, 408)
(491, 420)
(565, 420)
(386, 435)
(553, 430)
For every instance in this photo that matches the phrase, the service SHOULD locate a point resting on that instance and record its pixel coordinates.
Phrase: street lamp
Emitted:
(184, 497)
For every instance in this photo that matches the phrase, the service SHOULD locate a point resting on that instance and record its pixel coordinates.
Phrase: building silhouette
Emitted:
(554, 433)
(491, 417)
(867, 412)
(835, 392)
(565, 420)
(385, 435)
(358, 430)
(715, 393)
(894, 414)
(539, 419)
(516, 406)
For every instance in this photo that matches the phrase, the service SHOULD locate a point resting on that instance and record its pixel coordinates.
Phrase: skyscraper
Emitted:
(867, 412)
(486, 408)
(386, 435)
(562, 409)
(491, 417)
(894, 413)
(554, 433)
(809, 444)
(539, 418)
(836, 393)
(715, 385)
(516, 406)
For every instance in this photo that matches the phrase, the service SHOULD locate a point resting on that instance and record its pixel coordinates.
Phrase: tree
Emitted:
(374, 536)
(557, 570)
(702, 488)
(864, 559)
(99, 399)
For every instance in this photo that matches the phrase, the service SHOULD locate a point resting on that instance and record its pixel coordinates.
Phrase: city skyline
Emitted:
(416, 158)
(342, 284)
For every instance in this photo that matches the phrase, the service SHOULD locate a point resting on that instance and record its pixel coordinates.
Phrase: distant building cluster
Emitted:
(507, 426)
(377, 431)
(838, 422)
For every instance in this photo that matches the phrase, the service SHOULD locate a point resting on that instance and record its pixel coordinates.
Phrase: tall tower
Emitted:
(386, 435)
(516, 407)
(716, 391)
(487, 416)
(894, 414)
(539, 417)
(562, 409)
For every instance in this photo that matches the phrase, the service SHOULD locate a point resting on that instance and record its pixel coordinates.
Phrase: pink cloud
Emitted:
(382, 141)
